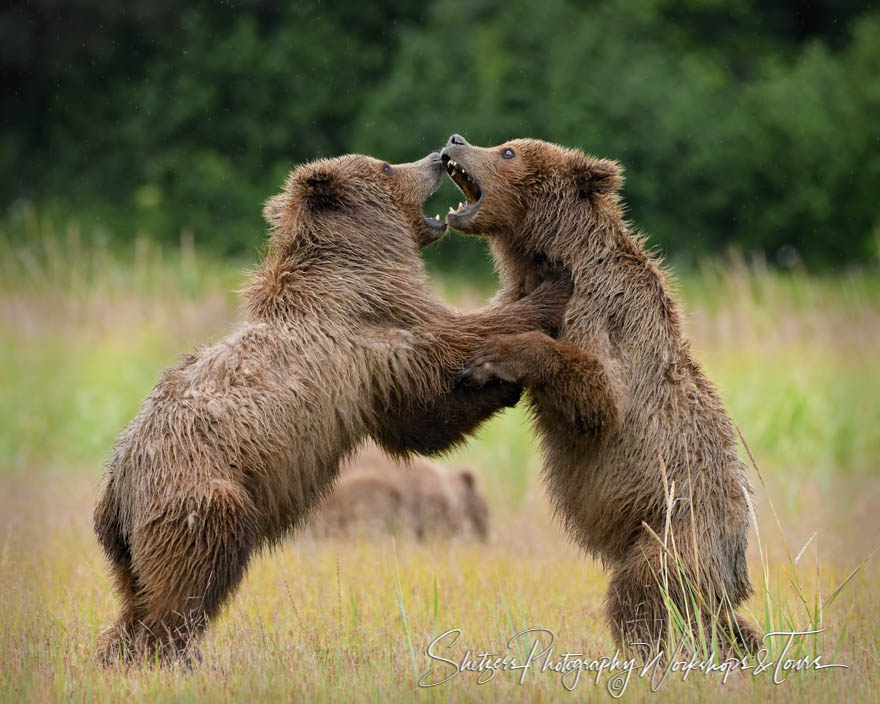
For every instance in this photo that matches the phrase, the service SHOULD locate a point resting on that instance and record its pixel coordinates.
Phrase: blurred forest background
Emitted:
(740, 123)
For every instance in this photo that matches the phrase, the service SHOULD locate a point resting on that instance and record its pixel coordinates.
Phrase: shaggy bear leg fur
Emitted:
(115, 643)
(179, 596)
(649, 583)
(184, 566)
(634, 606)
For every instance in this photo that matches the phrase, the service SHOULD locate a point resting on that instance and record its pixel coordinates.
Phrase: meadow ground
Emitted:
(84, 334)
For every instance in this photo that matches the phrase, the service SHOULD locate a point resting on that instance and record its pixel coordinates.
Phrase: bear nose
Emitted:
(456, 139)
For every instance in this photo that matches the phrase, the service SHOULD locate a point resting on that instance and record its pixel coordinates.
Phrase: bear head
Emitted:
(528, 191)
(357, 205)
(475, 508)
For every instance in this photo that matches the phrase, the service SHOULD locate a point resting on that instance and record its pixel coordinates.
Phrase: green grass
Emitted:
(85, 332)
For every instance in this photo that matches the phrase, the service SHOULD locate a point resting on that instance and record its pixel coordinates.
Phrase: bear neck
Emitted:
(284, 290)
(602, 255)
(573, 243)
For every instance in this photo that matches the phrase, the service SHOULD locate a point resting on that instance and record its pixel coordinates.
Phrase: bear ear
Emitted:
(273, 210)
(596, 176)
(322, 191)
(467, 477)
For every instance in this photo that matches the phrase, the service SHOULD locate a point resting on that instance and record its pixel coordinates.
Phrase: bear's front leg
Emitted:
(509, 358)
(430, 426)
(580, 385)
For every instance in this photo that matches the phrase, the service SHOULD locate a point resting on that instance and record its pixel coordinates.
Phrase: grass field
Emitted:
(84, 334)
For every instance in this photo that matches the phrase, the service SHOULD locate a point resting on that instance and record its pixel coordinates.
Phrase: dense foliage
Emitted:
(739, 122)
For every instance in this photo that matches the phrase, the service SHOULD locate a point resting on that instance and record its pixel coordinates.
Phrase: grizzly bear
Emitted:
(239, 440)
(640, 455)
(376, 494)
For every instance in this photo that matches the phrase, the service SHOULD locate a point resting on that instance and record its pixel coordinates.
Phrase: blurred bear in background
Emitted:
(378, 495)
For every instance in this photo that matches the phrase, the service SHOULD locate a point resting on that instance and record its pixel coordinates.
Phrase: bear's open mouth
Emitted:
(467, 184)
(434, 224)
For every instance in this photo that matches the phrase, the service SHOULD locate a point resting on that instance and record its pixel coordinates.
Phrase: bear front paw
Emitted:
(479, 375)
(496, 362)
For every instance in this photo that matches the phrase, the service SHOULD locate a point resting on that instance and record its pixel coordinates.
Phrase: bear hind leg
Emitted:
(189, 571)
(115, 644)
(635, 610)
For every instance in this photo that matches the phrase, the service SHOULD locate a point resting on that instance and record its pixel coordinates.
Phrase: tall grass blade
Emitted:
(398, 593)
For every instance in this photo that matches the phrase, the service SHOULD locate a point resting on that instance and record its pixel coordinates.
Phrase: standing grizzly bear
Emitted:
(625, 413)
(377, 494)
(239, 440)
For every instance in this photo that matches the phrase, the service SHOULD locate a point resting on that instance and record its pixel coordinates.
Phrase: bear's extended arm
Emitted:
(432, 424)
(578, 384)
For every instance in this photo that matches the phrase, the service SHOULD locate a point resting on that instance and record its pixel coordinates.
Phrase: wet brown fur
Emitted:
(377, 494)
(618, 394)
(240, 439)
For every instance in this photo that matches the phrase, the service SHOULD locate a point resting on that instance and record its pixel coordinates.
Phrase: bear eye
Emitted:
(386, 167)
(507, 153)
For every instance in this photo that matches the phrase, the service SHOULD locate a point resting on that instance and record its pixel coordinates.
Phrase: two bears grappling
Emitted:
(343, 341)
